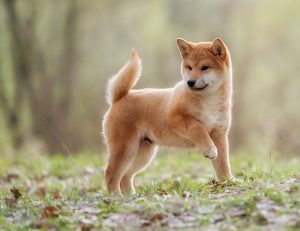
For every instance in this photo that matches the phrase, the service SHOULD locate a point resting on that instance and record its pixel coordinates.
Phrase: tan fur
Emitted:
(138, 121)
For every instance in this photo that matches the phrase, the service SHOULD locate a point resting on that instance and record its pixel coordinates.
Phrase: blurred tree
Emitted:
(33, 83)
(56, 57)
(19, 48)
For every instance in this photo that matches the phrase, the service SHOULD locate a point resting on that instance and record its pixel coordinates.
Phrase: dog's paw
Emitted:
(211, 153)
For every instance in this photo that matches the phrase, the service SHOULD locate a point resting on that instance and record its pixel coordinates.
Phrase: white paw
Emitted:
(211, 153)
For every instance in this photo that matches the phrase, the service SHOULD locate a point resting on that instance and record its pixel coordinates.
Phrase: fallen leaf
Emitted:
(16, 193)
(175, 185)
(218, 217)
(83, 192)
(42, 192)
(293, 189)
(45, 225)
(56, 195)
(11, 202)
(146, 224)
(86, 227)
(10, 176)
(237, 212)
(106, 201)
(261, 219)
(163, 192)
(156, 217)
(50, 212)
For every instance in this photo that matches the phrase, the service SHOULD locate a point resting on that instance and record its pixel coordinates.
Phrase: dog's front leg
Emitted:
(191, 129)
(221, 164)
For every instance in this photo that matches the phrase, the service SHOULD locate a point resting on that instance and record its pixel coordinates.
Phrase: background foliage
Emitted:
(56, 57)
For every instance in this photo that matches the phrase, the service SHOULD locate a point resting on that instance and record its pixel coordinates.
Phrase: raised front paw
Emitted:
(211, 153)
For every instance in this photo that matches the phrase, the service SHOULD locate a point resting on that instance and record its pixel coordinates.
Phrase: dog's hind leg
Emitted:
(143, 158)
(121, 154)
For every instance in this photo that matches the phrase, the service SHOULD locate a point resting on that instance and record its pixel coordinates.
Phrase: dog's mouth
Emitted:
(199, 88)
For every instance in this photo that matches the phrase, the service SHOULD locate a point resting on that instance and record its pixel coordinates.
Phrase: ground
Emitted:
(176, 192)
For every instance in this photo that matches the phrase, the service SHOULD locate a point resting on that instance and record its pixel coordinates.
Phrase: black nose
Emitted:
(191, 82)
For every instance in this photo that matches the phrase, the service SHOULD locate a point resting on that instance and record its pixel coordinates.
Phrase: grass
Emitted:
(176, 192)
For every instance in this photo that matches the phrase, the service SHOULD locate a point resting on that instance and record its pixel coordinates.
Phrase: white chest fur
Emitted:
(212, 112)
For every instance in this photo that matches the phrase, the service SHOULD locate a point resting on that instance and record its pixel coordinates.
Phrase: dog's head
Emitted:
(205, 65)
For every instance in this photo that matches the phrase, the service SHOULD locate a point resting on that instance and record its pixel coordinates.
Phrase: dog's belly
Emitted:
(170, 139)
(178, 143)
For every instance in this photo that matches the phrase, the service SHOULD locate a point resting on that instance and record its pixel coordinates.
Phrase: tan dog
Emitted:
(196, 113)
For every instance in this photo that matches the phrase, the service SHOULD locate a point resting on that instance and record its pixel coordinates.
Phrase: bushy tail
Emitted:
(125, 79)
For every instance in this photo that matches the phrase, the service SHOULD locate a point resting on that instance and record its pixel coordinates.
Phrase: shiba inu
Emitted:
(195, 113)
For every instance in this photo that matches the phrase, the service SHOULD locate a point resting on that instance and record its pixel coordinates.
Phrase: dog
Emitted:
(196, 113)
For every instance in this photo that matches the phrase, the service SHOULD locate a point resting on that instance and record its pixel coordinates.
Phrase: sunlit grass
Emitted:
(176, 185)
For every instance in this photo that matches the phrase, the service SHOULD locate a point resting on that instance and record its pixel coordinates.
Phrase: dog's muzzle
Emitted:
(191, 83)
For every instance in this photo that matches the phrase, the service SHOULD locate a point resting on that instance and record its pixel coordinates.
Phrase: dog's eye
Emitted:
(189, 67)
(204, 68)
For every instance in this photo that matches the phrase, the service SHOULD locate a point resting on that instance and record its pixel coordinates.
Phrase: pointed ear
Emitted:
(218, 48)
(184, 47)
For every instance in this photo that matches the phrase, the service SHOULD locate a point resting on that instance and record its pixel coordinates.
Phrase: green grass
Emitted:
(176, 192)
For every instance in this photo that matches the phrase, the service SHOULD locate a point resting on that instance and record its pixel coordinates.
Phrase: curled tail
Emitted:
(125, 79)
